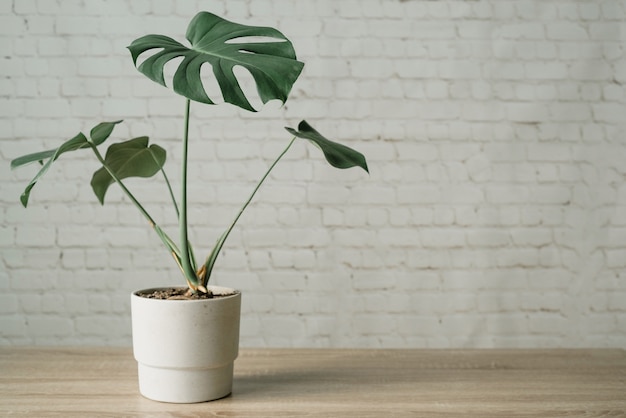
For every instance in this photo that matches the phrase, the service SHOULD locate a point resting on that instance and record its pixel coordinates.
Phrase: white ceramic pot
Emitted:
(185, 349)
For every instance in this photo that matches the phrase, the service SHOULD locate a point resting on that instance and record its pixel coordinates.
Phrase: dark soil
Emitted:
(177, 293)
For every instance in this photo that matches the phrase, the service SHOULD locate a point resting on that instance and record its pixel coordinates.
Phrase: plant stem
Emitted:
(186, 263)
(164, 238)
(169, 188)
(220, 243)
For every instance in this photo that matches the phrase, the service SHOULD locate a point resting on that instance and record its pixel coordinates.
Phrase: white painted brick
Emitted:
(616, 258)
(8, 304)
(442, 238)
(282, 326)
(488, 238)
(582, 71)
(35, 236)
(612, 11)
(418, 194)
(102, 326)
(7, 236)
(607, 112)
(526, 112)
(491, 133)
(13, 326)
(317, 194)
(566, 31)
(549, 152)
(345, 28)
(49, 325)
(546, 71)
(548, 324)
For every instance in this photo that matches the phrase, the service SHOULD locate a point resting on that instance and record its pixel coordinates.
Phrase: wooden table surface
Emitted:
(90, 382)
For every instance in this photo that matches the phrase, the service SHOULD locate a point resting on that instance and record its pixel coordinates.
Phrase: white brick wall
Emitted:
(495, 214)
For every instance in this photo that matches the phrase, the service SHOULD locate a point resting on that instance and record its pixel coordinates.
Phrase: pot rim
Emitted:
(222, 291)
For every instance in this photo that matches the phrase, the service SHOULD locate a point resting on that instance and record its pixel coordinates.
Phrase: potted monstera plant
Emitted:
(186, 339)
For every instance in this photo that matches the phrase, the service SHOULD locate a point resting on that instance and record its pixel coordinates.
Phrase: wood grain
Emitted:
(86, 382)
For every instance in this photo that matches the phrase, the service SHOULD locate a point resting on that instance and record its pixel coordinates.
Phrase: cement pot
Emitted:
(185, 349)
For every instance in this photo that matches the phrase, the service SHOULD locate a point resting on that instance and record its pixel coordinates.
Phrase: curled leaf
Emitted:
(98, 135)
(337, 155)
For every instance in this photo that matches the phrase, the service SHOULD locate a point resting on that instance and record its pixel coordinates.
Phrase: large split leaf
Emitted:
(132, 158)
(98, 134)
(336, 154)
(265, 52)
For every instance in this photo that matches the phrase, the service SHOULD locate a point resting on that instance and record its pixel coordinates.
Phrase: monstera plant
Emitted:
(223, 45)
(185, 339)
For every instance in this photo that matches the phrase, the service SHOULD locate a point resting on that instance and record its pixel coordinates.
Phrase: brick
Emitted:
(50, 326)
(548, 324)
(546, 71)
(102, 326)
(549, 152)
(483, 111)
(415, 152)
(345, 28)
(566, 31)
(35, 236)
(582, 71)
(73, 25)
(531, 237)
(373, 324)
(526, 30)
(418, 194)
(460, 70)
(507, 195)
(399, 237)
(488, 238)
(13, 326)
(616, 258)
(551, 194)
(442, 238)
(282, 327)
(433, 30)
(526, 112)
(52, 46)
(502, 71)
(570, 112)
(611, 10)
(607, 112)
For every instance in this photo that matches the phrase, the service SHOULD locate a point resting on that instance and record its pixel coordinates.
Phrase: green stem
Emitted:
(208, 267)
(186, 262)
(164, 238)
(169, 188)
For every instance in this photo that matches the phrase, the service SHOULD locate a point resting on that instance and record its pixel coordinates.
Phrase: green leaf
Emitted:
(336, 154)
(224, 45)
(102, 131)
(99, 134)
(78, 142)
(132, 158)
(36, 156)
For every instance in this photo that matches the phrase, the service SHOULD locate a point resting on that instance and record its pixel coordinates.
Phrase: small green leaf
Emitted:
(98, 134)
(102, 131)
(132, 158)
(78, 142)
(336, 154)
(30, 158)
